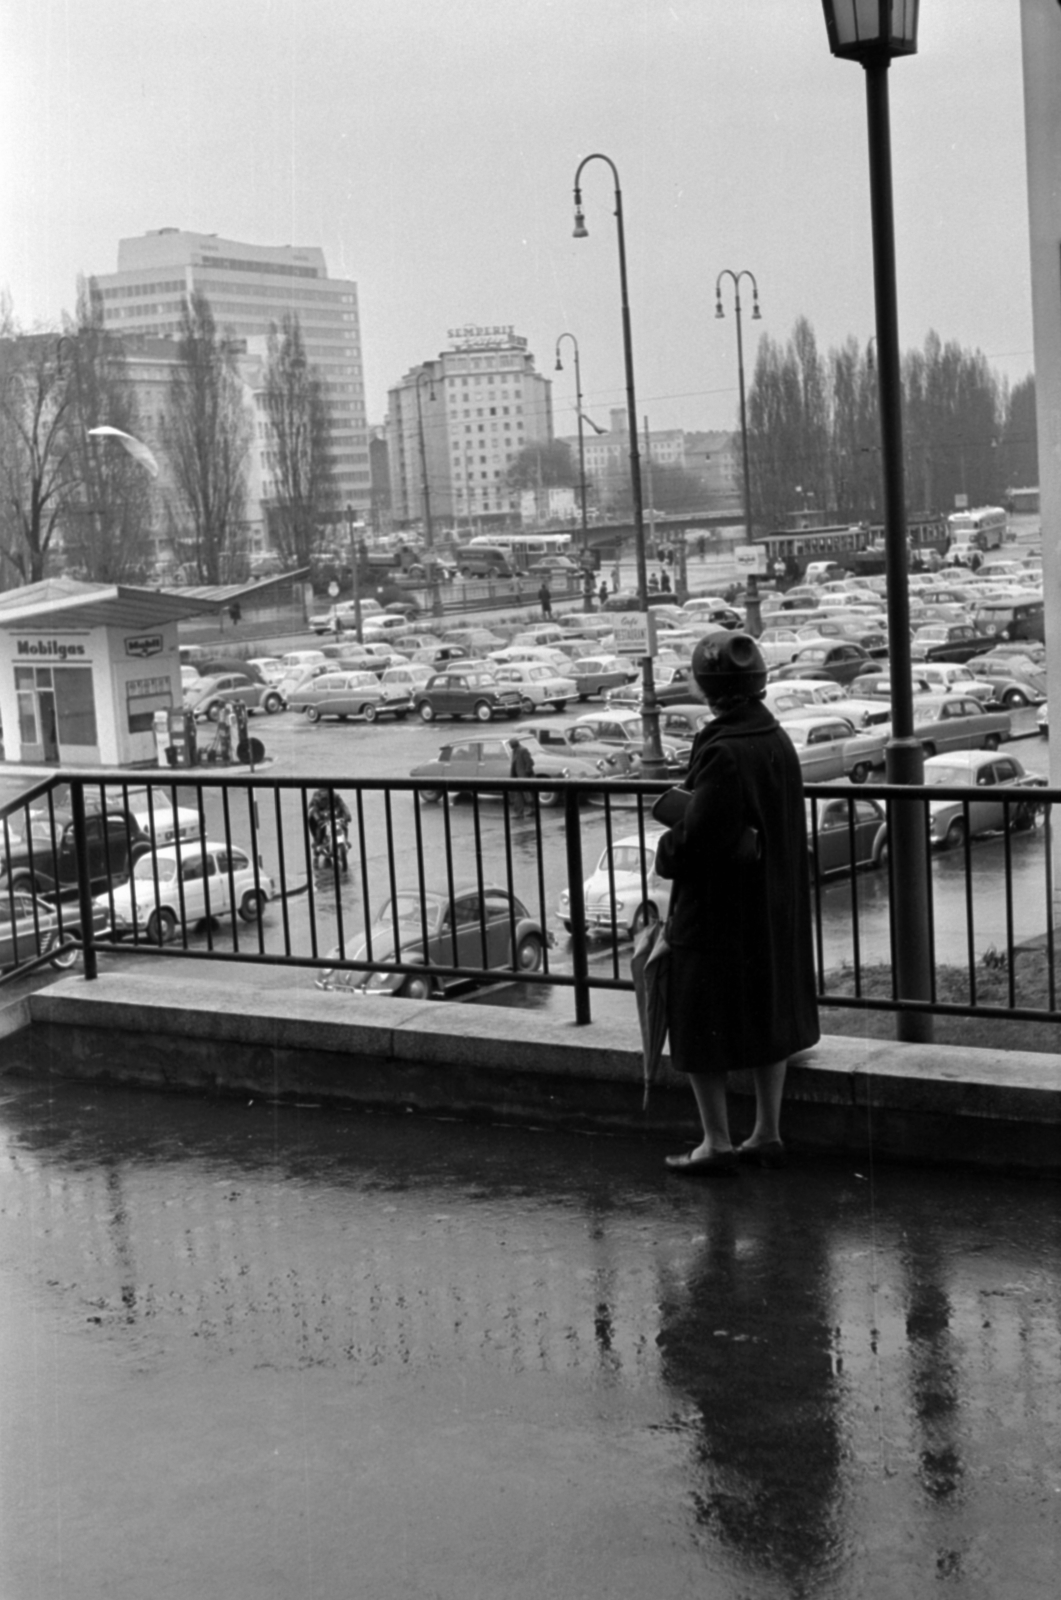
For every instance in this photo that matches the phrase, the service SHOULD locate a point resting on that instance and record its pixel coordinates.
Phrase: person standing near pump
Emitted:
(545, 596)
(741, 982)
(522, 766)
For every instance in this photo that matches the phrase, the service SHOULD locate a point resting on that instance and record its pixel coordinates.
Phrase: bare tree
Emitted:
(299, 446)
(206, 435)
(35, 466)
(106, 513)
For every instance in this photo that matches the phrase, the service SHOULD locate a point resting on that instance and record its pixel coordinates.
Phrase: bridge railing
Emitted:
(536, 881)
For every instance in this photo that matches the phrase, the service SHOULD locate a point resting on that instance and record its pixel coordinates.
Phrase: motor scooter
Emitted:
(332, 829)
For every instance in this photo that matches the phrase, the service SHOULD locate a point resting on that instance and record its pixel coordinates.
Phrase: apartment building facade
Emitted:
(250, 288)
(464, 417)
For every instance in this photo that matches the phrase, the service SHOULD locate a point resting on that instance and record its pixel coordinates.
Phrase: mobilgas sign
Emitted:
(50, 649)
(144, 644)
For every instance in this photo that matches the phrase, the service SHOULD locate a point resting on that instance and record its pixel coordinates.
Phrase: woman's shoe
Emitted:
(771, 1153)
(718, 1164)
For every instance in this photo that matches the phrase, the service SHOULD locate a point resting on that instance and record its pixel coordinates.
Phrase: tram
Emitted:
(859, 548)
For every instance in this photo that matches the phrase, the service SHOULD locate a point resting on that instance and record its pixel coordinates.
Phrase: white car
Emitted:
(270, 667)
(180, 885)
(344, 612)
(540, 654)
(377, 628)
(161, 822)
(412, 676)
(625, 891)
(538, 684)
(779, 645)
(299, 677)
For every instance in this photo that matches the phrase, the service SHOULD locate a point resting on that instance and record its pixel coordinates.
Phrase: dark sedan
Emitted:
(948, 641)
(834, 825)
(839, 661)
(469, 691)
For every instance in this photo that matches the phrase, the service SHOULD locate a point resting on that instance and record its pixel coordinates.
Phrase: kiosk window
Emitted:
(143, 697)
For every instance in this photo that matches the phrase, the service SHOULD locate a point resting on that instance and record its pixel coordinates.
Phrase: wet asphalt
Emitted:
(253, 1351)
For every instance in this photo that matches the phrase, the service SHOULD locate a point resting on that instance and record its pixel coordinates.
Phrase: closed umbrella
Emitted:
(650, 968)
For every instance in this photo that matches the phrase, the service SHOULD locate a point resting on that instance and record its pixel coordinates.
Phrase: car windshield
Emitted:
(942, 777)
(622, 858)
(408, 908)
(148, 868)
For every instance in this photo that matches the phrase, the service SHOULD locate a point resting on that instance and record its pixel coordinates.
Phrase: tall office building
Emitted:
(250, 287)
(474, 408)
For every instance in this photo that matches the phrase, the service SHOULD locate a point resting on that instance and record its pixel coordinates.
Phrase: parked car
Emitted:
(29, 927)
(672, 685)
(343, 616)
(596, 674)
(834, 825)
(840, 661)
(813, 691)
(178, 886)
(44, 862)
(1015, 681)
(388, 625)
(298, 680)
(474, 639)
(538, 685)
(624, 729)
(830, 747)
(467, 691)
(1012, 619)
(482, 927)
(480, 760)
(625, 891)
(947, 641)
(351, 694)
(205, 700)
(589, 625)
(271, 668)
(565, 741)
(555, 567)
(412, 676)
(957, 722)
(680, 724)
(779, 645)
(950, 821)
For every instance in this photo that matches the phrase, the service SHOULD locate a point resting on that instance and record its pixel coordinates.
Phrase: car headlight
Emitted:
(565, 899)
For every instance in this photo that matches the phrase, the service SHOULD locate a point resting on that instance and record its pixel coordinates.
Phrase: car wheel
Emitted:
(213, 711)
(991, 742)
(882, 857)
(1023, 818)
(529, 953)
(371, 713)
(427, 712)
(430, 797)
(252, 905)
(400, 716)
(272, 703)
(559, 705)
(63, 959)
(643, 916)
(929, 748)
(161, 926)
(549, 797)
(1014, 697)
(527, 707)
(955, 835)
(483, 710)
(417, 986)
(23, 883)
(312, 714)
(860, 773)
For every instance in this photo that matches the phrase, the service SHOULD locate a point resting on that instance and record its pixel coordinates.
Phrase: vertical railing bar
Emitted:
(311, 882)
(362, 855)
(543, 917)
(84, 889)
(281, 871)
(609, 845)
(1007, 857)
(856, 940)
(391, 878)
(970, 920)
(479, 882)
(1048, 834)
(576, 901)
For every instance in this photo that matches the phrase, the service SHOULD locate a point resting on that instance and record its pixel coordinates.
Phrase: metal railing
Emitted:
(446, 881)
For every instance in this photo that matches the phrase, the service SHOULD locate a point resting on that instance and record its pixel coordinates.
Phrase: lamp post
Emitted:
(754, 612)
(429, 535)
(355, 574)
(871, 32)
(581, 444)
(652, 761)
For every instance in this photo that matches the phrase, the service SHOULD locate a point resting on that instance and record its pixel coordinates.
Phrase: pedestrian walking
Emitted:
(664, 581)
(521, 766)
(545, 596)
(602, 592)
(741, 980)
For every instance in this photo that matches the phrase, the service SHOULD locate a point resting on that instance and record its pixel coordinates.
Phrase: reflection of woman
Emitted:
(741, 986)
(747, 1338)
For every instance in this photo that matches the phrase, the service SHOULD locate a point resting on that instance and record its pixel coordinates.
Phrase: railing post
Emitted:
(576, 901)
(84, 882)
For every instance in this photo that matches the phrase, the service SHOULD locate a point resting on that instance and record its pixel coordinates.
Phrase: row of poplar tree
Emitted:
(814, 431)
(61, 487)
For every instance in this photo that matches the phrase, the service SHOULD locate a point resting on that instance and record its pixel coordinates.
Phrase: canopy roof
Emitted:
(94, 605)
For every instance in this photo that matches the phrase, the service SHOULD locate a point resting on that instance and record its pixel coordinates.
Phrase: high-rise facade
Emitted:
(250, 287)
(465, 416)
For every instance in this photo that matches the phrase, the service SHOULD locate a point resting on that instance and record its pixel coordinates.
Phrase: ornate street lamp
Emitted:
(581, 441)
(871, 32)
(429, 536)
(754, 614)
(652, 762)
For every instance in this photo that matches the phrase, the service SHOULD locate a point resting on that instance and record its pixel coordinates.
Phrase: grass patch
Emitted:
(952, 986)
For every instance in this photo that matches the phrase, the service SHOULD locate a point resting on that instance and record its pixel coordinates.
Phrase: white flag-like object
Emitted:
(136, 448)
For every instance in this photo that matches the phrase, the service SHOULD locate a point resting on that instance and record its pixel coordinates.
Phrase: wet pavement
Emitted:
(261, 1351)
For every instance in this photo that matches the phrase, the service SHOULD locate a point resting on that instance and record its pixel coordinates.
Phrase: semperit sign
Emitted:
(501, 336)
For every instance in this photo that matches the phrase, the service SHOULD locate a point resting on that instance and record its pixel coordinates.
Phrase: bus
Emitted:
(524, 549)
(983, 528)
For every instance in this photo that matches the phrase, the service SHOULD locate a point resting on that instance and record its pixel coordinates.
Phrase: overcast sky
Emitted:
(429, 147)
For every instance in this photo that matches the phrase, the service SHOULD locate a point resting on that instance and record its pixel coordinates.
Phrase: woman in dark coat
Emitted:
(741, 991)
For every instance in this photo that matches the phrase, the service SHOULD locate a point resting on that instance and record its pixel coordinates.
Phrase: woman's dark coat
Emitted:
(742, 964)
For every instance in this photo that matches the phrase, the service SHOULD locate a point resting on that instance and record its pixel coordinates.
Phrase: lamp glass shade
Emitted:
(866, 30)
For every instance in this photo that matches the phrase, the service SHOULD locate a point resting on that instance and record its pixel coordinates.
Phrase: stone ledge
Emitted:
(934, 1102)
